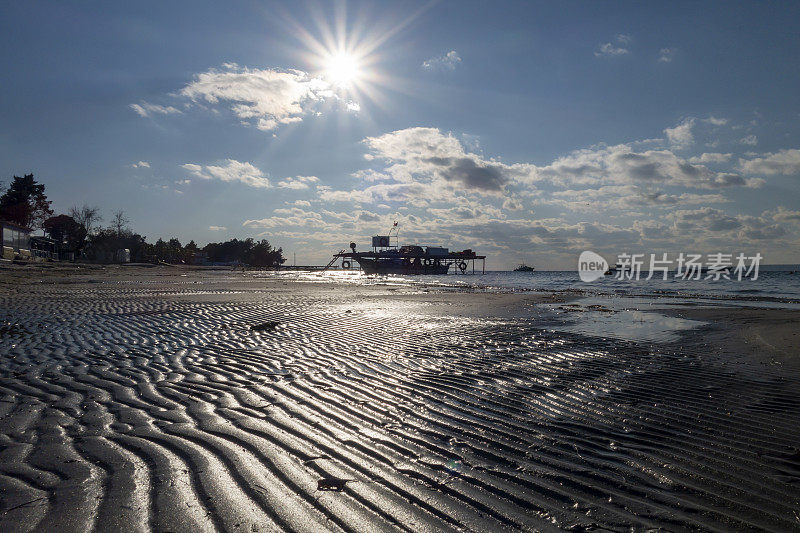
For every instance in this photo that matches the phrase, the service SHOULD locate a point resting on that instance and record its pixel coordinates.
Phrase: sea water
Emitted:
(778, 286)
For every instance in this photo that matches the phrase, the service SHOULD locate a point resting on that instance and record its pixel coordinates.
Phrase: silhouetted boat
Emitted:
(386, 258)
(524, 268)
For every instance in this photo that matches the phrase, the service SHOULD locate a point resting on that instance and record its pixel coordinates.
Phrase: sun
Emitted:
(342, 54)
(342, 69)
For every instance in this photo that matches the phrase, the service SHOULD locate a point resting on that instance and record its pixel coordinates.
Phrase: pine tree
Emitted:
(25, 202)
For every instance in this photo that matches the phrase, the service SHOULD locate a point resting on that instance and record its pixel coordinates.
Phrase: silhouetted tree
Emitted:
(25, 202)
(161, 250)
(64, 230)
(247, 251)
(86, 217)
(188, 252)
(263, 255)
(104, 244)
(119, 222)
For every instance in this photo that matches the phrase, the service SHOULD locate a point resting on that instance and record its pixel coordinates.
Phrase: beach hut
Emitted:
(16, 240)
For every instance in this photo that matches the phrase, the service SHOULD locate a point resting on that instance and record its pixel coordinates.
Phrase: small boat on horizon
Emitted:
(524, 268)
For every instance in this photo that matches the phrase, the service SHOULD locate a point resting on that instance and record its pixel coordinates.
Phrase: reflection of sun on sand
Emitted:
(174, 399)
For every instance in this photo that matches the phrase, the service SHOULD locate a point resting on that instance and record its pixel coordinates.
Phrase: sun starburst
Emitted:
(342, 69)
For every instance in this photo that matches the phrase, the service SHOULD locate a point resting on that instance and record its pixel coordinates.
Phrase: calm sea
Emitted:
(771, 286)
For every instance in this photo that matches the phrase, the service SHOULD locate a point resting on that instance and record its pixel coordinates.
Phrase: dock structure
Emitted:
(302, 267)
(412, 262)
(386, 257)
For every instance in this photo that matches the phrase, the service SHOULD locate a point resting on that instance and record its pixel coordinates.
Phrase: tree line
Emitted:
(79, 231)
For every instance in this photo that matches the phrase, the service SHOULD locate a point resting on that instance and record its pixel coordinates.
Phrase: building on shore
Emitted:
(16, 240)
(44, 248)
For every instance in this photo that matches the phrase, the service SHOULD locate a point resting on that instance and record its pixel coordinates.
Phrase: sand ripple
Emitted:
(157, 407)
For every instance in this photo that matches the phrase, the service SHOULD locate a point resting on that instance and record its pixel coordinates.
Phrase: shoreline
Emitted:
(737, 330)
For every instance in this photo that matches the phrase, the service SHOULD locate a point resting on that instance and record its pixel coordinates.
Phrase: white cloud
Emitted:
(426, 155)
(231, 171)
(620, 164)
(681, 135)
(710, 157)
(141, 164)
(624, 198)
(298, 182)
(368, 216)
(750, 140)
(642, 196)
(618, 49)
(287, 217)
(710, 222)
(145, 109)
(447, 61)
(666, 55)
(785, 215)
(706, 218)
(489, 229)
(217, 228)
(785, 162)
(424, 166)
(608, 49)
(265, 97)
(419, 193)
(326, 194)
(716, 121)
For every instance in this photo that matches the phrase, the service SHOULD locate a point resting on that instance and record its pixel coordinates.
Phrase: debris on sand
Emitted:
(24, 504)
(332, 483)
(266, 326)
(11, 328)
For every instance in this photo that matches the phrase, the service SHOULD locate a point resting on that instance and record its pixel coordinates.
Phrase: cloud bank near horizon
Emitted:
(627, 196)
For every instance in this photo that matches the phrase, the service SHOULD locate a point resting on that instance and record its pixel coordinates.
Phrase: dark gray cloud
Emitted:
(469, 172)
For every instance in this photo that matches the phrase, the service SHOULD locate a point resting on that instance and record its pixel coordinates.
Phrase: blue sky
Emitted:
(526, 130)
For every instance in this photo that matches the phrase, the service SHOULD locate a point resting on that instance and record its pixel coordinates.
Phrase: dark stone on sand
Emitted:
(331, 483)
(266, 326)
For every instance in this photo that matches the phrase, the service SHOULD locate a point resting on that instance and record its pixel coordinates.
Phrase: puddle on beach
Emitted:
(632, 319)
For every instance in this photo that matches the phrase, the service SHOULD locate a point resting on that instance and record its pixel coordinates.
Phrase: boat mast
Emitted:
(396, 230)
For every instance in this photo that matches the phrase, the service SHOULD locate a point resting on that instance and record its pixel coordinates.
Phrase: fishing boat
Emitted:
(524, 268)
(387, 257)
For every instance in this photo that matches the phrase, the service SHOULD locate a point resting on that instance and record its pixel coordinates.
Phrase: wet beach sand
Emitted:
(168, 399)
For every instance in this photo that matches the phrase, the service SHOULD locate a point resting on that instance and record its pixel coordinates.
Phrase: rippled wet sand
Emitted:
(148, 400)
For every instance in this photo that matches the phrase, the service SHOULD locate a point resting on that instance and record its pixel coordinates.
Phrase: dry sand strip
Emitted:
(163, 400)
